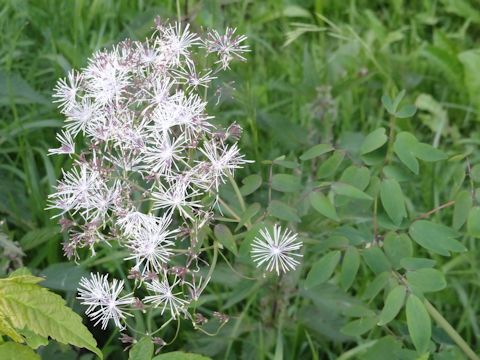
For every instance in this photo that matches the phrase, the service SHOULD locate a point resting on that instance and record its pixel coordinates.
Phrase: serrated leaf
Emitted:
(359, 326)
(393, 200)
(393, 304)
(373, 141)
(322, 269)
(397, 247)
(250, 184)
(350, 265)
(316, 151)
(418, 323)
(225, 237)
(350, 191)
(437, 238)
(27, 305)
(142, 350)
(179, 355)
(14, 351)
(473, 222)
(461, 209)
(33, 340)
(7, 329)
(282, 211)
(427, 280)
(321, 204)
(328, 167)
(376, 260)
(286, 183)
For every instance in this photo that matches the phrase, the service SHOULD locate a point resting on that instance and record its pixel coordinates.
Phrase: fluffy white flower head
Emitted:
(277, 251)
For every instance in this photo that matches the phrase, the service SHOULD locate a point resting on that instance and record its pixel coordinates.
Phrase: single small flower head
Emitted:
(151, 247)
(277, 251)
(67, 144)
(103, 300)
(228, 46)
(67, 90)
(165, 297)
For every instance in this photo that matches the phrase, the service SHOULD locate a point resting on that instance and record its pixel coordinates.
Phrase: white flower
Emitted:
(103, 301)
(162, 153)
(164, 296)
(66, 90)
(67, 144)
(151, 247)
(134, 221)
(105, 79)
(176, 196)
(191, 78)
(277, 252)
(75, 191)
(82, 117)
(176, 43)
(222, 161)
(228, 46)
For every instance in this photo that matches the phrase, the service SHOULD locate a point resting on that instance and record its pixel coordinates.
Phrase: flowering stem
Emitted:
(237, 192)
(454, 335)
(229, 209)
(161, 327)
(214, 260)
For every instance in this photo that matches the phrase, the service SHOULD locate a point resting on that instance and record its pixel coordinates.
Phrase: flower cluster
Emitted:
(148, 179)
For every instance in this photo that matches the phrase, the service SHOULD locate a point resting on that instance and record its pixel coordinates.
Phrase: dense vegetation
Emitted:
(391, 89)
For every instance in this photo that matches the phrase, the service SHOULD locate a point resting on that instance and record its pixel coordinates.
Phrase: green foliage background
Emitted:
(316, 74)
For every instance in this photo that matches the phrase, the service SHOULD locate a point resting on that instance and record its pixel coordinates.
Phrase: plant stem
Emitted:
(454, 335)
(237, 192)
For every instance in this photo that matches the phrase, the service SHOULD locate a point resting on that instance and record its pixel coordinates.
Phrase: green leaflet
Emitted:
(250, 184)
(322, 269)
(225, 237)
(418, 323)
(350, 265)
(27, 305)
(427, 280)
(142, 350)
(393, 200)
(286, 183)
(180, 355)
(393, 304)
(408, 149)
(359, 326)
(323, 205)
(315, 151)
(373, 141)
(437, 238)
